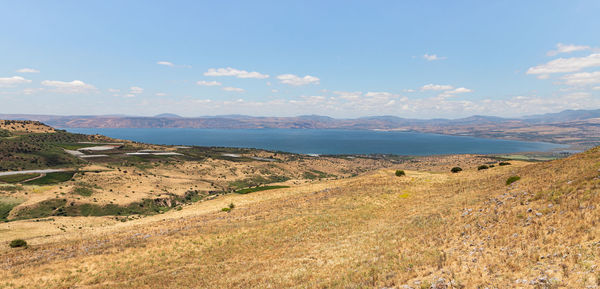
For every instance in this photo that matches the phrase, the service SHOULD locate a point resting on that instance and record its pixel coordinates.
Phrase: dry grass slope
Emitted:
(464, 230)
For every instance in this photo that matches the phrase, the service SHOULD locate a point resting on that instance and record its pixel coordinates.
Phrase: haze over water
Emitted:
(323, 141)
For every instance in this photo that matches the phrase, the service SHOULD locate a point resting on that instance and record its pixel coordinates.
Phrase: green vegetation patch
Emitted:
(83, 191)
(64, 207)
(6, 205)
(258, 189)
(13, 179)
(4, 133)
(512, 180)
(400, 173)
(52, 178)
(18, 243)
(315, 174)
(257, 181)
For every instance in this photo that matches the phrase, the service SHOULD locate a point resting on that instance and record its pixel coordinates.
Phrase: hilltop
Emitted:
(519, 224)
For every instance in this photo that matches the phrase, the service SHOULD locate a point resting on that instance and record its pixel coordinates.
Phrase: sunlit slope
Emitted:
(464, 230)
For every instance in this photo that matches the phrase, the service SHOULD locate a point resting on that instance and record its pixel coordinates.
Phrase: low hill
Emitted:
(519, 224)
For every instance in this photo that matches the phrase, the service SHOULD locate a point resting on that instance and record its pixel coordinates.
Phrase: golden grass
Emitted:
(465, 230)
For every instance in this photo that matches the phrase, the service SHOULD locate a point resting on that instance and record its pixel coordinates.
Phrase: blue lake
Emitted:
(323, 141)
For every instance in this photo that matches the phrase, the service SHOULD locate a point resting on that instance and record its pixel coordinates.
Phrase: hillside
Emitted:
(428, 229)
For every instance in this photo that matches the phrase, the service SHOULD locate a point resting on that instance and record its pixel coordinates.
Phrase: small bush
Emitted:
(226, 209)
(482, 167)
(504, 164)
(83, 191)
(512, 180)
(456, 169)
(400, 173)
(18, 243)
(231, 206)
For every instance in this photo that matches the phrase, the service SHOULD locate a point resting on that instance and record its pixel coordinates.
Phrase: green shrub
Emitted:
(226, 209)
(512, 180)
(504, 164)
(83, 191)
(4, 133)
(18, 243)
(400, 173)
(482, 167)
(456, 169)
(257, 189)
(231, 206)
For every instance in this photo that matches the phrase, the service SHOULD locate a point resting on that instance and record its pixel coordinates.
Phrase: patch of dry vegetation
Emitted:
(377, 230)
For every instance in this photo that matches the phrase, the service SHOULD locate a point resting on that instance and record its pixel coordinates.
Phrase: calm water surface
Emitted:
(322, 141)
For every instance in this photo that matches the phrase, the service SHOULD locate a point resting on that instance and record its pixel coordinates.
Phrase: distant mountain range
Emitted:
(304, 121)
(569, 126)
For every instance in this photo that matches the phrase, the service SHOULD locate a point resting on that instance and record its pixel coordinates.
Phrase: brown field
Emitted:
(464, 230)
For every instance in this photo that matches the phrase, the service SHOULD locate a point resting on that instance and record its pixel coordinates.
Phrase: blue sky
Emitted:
(417, 59)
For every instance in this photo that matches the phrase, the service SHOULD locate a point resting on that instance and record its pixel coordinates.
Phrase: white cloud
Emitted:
(136, 90)
(380, 94)
(432, 86)
(432, 57)
(562, 65)
(460, 90)
(454, 92)
(129, 95)
(75, 86)
(113, 90)
(166, 63)
(274, 90)
(28, 70)
(582, 78)
(235, 72)
(12, 81)
(233, 89)
(295, 80)
(348, 95)
(567, 48)
(208, 83)
(161, 94)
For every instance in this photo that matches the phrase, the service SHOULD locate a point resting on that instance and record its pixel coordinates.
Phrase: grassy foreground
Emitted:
(463, 230)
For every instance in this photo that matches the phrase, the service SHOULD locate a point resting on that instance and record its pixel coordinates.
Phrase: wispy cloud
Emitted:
(166, 63)
(436, 87)
(235, 72)
(567, 48)
(233, 89)
(433, 57)
(171, 64)
(562, 65)
(75, 86)
(136, 90)
(454, 92)
(208, 83)
(12, 81)
(28, 70)
(295, 80)
(582, 78)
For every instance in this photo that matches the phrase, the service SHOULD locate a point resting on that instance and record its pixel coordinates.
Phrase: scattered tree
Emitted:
(18, 243)
(456, 169)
